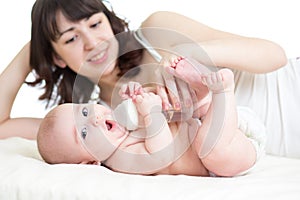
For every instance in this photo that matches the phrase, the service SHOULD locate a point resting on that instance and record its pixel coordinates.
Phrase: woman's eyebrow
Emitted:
(68, 30)
(72, 28)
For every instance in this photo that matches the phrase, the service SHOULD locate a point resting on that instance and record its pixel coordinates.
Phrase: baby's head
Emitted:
(79, 133)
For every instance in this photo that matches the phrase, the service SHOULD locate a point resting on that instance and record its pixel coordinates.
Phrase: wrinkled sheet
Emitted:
(24, 175)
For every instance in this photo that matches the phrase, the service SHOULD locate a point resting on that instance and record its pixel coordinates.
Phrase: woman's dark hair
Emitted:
(59, 82)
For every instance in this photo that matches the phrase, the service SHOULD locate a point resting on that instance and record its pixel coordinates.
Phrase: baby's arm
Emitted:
(149, 106)
(158, 133)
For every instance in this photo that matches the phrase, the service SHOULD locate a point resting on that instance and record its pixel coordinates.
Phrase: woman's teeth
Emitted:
(98, 57)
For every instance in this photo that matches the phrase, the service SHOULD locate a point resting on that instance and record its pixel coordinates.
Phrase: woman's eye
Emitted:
(84, 133)
(85, 112)
(71, 40)
(96, 24)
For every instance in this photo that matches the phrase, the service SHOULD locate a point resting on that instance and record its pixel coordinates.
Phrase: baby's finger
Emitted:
(139, 99)
(219, 77)
(214, 78)
(131, 88)
(123, 91)
(138, 89)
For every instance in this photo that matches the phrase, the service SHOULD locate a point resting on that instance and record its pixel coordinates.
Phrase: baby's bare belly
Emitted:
(188, 164)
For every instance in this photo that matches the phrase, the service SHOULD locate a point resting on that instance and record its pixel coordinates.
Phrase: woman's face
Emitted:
(88, 46)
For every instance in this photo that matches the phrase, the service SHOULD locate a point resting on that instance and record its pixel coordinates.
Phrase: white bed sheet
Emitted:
(23, 175)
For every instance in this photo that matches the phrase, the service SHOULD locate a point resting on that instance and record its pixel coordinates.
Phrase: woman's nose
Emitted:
(90, 41)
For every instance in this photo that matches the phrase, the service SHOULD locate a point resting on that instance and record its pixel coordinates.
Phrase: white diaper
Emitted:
(254, 129)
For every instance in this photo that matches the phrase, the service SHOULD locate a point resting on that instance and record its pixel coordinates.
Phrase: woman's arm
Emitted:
(11, 80)
(223, 48)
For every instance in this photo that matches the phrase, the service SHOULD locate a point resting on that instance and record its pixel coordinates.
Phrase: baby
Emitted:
(88, 133)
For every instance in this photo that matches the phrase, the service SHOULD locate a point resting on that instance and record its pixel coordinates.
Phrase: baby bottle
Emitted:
(126, 114)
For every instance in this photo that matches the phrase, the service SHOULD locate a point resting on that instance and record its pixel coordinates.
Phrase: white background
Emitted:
(276, 20)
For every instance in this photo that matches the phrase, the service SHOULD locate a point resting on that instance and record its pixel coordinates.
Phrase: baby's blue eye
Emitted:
(85, 112)
(84, 133)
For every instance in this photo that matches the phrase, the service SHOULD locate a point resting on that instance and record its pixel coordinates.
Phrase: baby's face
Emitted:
(95, 128)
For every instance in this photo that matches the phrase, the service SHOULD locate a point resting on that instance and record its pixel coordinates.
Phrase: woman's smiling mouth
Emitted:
(98, 58)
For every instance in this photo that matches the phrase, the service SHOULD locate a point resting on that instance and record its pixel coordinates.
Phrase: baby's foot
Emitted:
(185, 70)
(220, 81)
(189, 71)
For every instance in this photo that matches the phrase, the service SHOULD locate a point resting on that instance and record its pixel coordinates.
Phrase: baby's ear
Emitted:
(91, 162)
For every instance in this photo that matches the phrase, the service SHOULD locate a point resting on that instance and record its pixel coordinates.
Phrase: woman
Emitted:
(67, 34)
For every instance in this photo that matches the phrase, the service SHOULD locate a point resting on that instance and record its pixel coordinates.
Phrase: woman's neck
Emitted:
(106, 92)
(107, 85)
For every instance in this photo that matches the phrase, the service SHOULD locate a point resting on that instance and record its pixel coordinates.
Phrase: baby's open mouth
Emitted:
(109, 125)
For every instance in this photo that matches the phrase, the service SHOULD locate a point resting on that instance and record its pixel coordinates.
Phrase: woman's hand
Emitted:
(176, 94)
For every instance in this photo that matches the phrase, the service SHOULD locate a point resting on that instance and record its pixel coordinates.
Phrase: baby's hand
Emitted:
(130, 90)
(147, 103)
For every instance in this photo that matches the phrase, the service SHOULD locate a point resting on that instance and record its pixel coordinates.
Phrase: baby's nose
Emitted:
(96, 120)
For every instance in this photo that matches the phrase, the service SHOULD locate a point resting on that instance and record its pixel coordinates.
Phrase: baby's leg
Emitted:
(221, 146)
(221, 117)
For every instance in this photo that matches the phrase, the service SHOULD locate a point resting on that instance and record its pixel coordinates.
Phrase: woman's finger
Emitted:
(172, 90)
(161, 91)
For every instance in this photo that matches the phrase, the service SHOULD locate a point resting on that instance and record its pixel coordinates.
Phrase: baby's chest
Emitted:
(135, 142)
